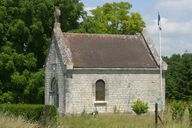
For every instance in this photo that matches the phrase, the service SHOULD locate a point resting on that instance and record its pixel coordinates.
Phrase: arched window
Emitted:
(100, 90)
(54, 95)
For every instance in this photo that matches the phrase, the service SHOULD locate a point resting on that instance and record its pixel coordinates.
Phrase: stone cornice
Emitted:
(114, 71)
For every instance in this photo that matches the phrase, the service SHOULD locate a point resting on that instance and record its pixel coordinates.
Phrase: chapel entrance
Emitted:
(54, 93)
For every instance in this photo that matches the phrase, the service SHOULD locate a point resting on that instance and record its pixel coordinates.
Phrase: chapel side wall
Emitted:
(122, 91)
(50, 73)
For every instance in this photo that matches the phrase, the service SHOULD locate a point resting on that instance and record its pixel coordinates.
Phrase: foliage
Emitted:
(31, 112)
(71, 11)
(7, 97)
(25, 34)
(140, 107)
(178, 110)
(179, 77)
(14, 74)
(113, 18)
(34, 91)
(190, 113)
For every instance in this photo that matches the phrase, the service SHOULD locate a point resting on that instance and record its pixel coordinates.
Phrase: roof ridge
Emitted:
(101, 35)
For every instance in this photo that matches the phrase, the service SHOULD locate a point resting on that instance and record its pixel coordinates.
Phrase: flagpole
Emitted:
(160, 63)
(160, 68)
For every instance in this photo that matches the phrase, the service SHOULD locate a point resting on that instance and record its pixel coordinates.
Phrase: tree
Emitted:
(27, 24)
(14, 74)
(179, 77)
(25, 34)
(112, 18)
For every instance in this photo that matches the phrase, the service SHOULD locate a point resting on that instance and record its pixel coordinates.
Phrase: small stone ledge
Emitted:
(100, 102)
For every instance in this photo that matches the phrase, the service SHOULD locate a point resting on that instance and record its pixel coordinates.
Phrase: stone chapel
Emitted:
(88, 72)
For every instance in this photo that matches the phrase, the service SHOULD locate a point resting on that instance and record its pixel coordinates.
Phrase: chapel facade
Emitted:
(88, 72)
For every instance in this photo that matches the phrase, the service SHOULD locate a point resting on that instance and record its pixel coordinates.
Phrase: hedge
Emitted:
(31, 112)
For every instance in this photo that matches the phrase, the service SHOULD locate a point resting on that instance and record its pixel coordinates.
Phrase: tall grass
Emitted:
(117, 120)
(7, 121)
(121, 121)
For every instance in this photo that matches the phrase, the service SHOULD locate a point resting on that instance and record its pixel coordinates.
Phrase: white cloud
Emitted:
(171, 46)
(182, 28)
(177, 9)
(176, 25)
(175, 4)
(176, 36)
(87, 9)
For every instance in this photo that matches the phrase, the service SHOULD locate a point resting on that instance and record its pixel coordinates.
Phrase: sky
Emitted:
(176, 22)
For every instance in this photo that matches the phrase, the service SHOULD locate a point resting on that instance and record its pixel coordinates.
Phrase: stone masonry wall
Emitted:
(121, 91)
(57, 73)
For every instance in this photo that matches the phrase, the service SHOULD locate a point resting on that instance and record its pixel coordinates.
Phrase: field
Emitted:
(101, 121)
(120, 121)
(15, 122)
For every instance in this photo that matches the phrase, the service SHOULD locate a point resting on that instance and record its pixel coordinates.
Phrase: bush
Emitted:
(178, 110)
(41, 113)
(140, 107)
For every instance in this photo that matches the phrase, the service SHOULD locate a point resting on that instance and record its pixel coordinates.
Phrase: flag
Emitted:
(159, 21)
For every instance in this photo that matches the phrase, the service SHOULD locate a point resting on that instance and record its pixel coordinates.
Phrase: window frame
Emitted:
(101, 90)
(54, 92)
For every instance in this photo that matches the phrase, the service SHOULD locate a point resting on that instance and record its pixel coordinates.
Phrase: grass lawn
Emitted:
(120, 121)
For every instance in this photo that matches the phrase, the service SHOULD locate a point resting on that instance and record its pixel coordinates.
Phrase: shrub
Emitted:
(178, 110)
(7, 97)
(140, 107)
(41, 113)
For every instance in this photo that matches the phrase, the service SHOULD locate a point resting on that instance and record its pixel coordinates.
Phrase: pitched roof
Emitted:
(109, 51)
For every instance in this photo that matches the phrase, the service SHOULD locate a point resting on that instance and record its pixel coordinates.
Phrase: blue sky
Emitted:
(176, 21)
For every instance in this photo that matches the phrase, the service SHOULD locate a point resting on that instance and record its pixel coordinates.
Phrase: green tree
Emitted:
(113, 18)
(179, 77)
(34, 91)
(27, 24)
(14, 74)
(25, 34)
